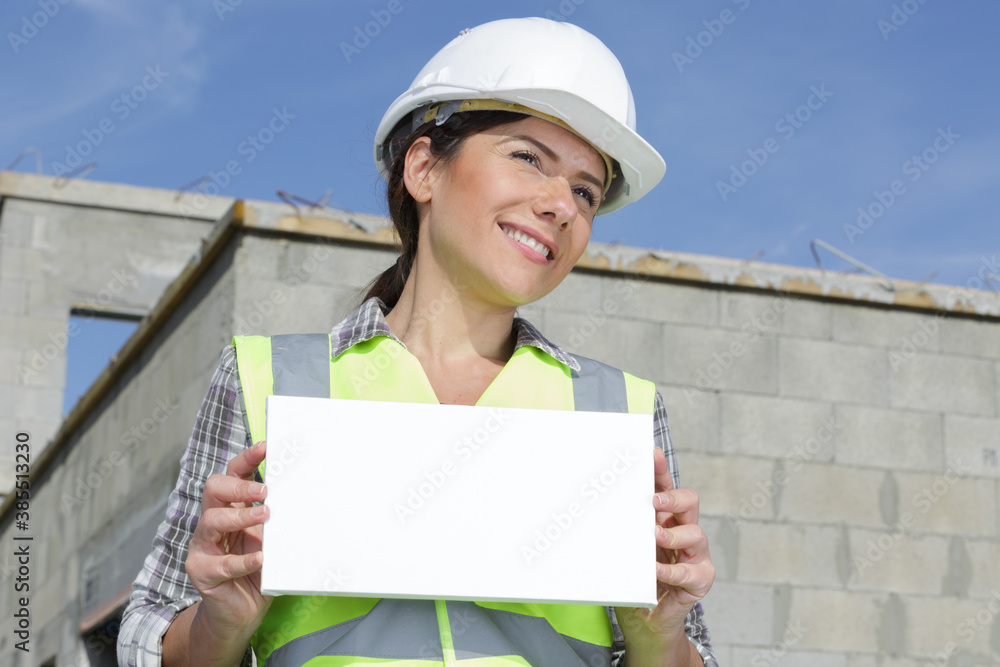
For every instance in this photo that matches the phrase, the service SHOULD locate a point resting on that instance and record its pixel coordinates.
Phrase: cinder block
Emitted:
(330, 264)
(891, 560)
(949, 503)
(779, 428)
(693, 418)
(40, 403)
(779, 655)
(582, 293)
(269, 308)
(634, 347)
(944, 383)
(969, 337)
(724, 483)
(881, 327)
(832, 371)
(834, 620)
(895, 439)
(975, 441)
(724, 544)
(18, 263)
(13, 297)
(719, 360)
(984, 563)
(36, 332)
(937, 623)
(658, 301)
(18, 222)
(826, 493)
(792, 554)
(775, 314)
(739, 613)
(47, 298)
(860, 660)
(257, 256)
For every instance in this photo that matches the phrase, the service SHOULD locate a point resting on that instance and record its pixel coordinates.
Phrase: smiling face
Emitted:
(507, 217)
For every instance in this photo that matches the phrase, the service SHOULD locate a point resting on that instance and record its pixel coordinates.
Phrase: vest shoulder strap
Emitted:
(598, 387)
(285, 365)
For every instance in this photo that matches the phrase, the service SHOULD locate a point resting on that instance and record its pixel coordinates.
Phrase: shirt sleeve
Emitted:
(162, 589)
(694, 624)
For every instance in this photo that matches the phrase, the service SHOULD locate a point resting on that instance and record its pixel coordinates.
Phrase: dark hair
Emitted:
(446, 141)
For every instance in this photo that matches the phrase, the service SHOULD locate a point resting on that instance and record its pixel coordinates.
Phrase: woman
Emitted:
(508, 143)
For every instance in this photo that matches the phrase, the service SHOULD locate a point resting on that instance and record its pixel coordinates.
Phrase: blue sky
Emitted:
(890, 90)
(778, 120)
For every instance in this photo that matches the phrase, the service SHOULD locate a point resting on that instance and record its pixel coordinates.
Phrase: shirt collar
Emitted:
(368, 321)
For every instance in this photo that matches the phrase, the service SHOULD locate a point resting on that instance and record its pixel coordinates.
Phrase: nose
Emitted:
(555, 202)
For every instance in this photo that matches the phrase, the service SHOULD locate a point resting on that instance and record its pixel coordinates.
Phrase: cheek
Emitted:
(581, 233)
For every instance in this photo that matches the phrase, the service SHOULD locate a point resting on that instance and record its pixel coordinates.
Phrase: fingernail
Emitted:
(258, 511)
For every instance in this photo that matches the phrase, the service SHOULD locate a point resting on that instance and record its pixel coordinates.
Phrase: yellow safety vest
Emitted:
(328, 631)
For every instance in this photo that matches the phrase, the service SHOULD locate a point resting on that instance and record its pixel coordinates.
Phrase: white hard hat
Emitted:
(545, 68)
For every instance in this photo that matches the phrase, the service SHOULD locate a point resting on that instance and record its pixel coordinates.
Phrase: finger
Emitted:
(253, 538)
(218, 521)
(689, 538)
(663, 480)
(214, 570)
(681, 503)
(222, 490)
(694, 578)
(243, 464)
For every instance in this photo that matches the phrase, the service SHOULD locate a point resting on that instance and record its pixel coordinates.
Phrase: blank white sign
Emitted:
(411, 500)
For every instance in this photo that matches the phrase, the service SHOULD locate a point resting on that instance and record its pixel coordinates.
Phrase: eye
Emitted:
(587, 193)
(527, 156)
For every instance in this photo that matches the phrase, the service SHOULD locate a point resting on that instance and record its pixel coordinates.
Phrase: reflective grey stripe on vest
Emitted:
(400, 629)
(300, 365)
(408, 630)
(598, 387)
(478, 632)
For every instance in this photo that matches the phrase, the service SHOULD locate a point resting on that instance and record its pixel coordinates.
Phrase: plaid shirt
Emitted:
(162, 589)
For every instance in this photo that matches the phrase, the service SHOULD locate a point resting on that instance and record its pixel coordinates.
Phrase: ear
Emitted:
(419, 174)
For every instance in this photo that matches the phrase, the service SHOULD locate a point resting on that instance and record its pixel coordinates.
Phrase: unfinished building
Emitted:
(841, 430)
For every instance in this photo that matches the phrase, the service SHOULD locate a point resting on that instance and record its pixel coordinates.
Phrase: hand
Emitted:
(224, 555)
(684, 570)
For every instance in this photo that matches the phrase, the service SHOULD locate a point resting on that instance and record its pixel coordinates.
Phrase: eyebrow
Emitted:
(551, 155)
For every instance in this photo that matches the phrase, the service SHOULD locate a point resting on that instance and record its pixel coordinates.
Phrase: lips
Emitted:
(526, 239)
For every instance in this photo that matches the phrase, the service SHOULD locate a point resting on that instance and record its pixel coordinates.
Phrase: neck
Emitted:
(438, 321)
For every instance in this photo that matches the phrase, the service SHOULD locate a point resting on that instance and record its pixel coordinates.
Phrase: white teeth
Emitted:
(532, 243)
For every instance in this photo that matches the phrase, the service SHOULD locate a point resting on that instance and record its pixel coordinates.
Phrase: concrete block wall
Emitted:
(845, 453)
(846, 459)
